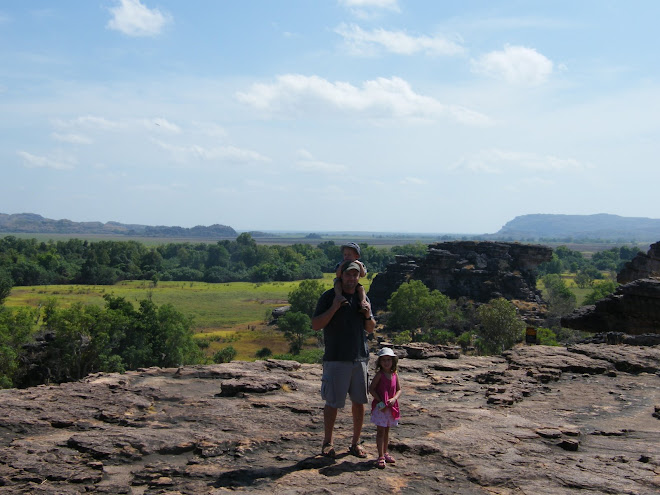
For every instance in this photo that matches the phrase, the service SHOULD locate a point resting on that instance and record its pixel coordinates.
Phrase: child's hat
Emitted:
(386, 351)
(352, 245)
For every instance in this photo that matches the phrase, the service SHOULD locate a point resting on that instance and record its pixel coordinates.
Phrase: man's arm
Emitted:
(320, 321)
(370, 324)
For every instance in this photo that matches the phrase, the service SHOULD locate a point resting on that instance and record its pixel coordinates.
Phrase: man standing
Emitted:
(345, 328)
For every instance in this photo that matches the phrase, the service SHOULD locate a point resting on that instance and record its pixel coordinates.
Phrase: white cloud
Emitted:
(308, 163)
(380, 98)
(71, 138)
(366, 42)
(89, 122)
(34, 161)
(516, 65)
(222, 153)
(134, 19)
(496, 161)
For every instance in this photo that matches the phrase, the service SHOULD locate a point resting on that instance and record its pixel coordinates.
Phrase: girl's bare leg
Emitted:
(380, 435)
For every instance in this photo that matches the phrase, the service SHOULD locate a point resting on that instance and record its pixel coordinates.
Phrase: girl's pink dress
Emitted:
(389, 416)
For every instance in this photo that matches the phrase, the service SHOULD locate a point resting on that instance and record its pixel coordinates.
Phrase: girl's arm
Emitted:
(396, 396)
(372, 387)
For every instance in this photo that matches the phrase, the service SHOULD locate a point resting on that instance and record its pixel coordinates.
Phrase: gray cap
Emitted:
(352, 245)
(386, 351)
(350, 266)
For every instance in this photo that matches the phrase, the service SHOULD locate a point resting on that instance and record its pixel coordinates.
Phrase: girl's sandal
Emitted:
(381, 463)
(389, 459)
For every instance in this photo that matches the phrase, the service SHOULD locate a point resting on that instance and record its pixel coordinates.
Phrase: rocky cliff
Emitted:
(634, 308)
(642, 266)
(542, 420)
(479, 271)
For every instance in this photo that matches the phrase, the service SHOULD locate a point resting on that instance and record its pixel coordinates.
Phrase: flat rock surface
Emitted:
(540, 420)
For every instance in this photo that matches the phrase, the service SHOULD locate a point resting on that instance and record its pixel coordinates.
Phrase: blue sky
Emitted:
(329, 115)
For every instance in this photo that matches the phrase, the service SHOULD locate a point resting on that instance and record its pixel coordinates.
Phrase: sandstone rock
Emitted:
(479, 271)
(642, 266)
(634, 308)
(469, 426)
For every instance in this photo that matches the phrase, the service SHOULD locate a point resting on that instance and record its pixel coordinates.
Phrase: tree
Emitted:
(303, 299)
(599, 291)
(6, 284)
(225, 355)
(561, 300)
(297, 328)
(15, 332)
(413, 306)
(500, 327)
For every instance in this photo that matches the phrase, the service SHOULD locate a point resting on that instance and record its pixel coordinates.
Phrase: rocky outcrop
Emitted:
(541, 420)
(479, 271)
(634, 308)
(642, 266)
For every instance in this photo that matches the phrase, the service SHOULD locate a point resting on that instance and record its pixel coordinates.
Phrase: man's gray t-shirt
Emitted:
(344, 336)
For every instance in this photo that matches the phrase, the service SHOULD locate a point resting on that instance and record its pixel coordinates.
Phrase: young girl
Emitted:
(385, 390)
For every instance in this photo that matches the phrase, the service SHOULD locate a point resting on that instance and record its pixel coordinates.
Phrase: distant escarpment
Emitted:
(600, 226)
(479, 271)
(30, 223)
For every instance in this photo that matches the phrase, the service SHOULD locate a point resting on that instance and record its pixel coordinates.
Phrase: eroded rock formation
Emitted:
(542, 420)
(642, 266)
(479, 271)
(634, 308)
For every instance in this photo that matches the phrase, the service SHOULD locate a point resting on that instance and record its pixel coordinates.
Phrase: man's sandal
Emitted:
(357, 451)
(328, 450)
(389, 459)
(381, 463)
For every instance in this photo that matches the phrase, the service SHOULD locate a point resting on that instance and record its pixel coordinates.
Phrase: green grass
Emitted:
(225, 314)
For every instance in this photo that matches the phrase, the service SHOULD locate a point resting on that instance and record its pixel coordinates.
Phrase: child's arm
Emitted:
(337, 287)
(373, 386)
(396, 396)
(363, 269)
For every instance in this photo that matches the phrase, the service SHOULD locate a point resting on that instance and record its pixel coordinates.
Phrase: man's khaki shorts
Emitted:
(341, 378)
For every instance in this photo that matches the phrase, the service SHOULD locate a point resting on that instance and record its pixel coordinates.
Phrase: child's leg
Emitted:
(337, 287)
(380, 435)
(386, 440)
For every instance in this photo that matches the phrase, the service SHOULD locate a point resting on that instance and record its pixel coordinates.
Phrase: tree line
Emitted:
(76, 261)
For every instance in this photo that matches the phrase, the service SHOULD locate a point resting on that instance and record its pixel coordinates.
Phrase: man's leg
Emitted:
(329, 417)
(358, 420)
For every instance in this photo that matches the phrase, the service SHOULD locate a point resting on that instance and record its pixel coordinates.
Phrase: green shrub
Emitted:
(225, 355)
(264, 352)
(307, 356)
(545, 336)
(465, 340)
(500, 327)
(402, 338)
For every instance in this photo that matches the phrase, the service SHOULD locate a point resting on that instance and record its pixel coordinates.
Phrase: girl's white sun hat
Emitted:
(386, 351)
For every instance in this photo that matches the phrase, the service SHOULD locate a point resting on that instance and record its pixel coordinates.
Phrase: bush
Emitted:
(402, 338)
(545, 336)
(225, 355)
(500, 327)
(307, 356)
(413, 305)
(600, 291)
(264, 352)
(465, 340)
(441, 337)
